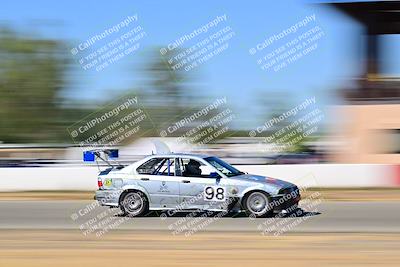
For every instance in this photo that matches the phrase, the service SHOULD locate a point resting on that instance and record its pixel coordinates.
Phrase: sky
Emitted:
(234, 73)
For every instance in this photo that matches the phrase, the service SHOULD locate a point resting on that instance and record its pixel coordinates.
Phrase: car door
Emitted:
(199, 188)
(157, 176)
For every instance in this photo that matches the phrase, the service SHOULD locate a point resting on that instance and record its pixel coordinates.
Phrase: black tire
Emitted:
(134, 204)
(257, 204)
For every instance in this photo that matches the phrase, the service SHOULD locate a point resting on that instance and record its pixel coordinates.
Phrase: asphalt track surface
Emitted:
(45, 234)
(325, 217)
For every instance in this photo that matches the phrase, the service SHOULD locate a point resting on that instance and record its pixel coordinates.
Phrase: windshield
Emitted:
(223, 166)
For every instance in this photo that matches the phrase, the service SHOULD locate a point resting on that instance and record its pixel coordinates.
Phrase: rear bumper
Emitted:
(108, 197)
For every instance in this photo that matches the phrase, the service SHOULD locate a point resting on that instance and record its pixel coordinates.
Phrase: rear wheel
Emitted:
(134, 203)
(257, 204)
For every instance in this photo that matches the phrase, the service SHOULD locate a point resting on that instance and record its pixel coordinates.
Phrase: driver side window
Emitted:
(194, 168)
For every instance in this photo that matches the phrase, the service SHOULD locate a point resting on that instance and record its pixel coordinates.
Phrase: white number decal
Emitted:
(214, 193)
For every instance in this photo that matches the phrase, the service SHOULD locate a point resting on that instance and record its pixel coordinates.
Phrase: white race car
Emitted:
(186, 182)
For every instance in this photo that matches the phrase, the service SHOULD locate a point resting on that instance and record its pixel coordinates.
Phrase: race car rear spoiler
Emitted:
(90, 155)
(106, 155)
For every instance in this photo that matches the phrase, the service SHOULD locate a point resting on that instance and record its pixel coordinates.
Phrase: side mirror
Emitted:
(214, 175)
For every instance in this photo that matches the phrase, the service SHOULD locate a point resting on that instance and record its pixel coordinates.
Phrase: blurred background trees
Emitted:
(31, 78)
(33, 75)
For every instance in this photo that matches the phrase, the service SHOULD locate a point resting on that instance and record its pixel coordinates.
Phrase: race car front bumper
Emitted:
(287, 200)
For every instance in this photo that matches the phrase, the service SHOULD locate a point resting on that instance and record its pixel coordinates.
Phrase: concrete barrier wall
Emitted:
(48, 178)
(318, 175)
(330, 175)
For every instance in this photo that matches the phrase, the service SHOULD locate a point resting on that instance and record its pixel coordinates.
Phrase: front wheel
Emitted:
(257, 204)
(134, 204)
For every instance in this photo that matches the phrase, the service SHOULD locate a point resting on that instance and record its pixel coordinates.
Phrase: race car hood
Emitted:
(264, 179)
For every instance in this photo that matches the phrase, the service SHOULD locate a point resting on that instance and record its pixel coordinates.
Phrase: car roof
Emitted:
(181, 155)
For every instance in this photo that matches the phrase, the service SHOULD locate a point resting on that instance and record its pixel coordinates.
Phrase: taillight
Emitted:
(99, 182)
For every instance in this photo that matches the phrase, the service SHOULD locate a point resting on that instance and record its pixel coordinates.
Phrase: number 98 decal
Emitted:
(214, 193)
